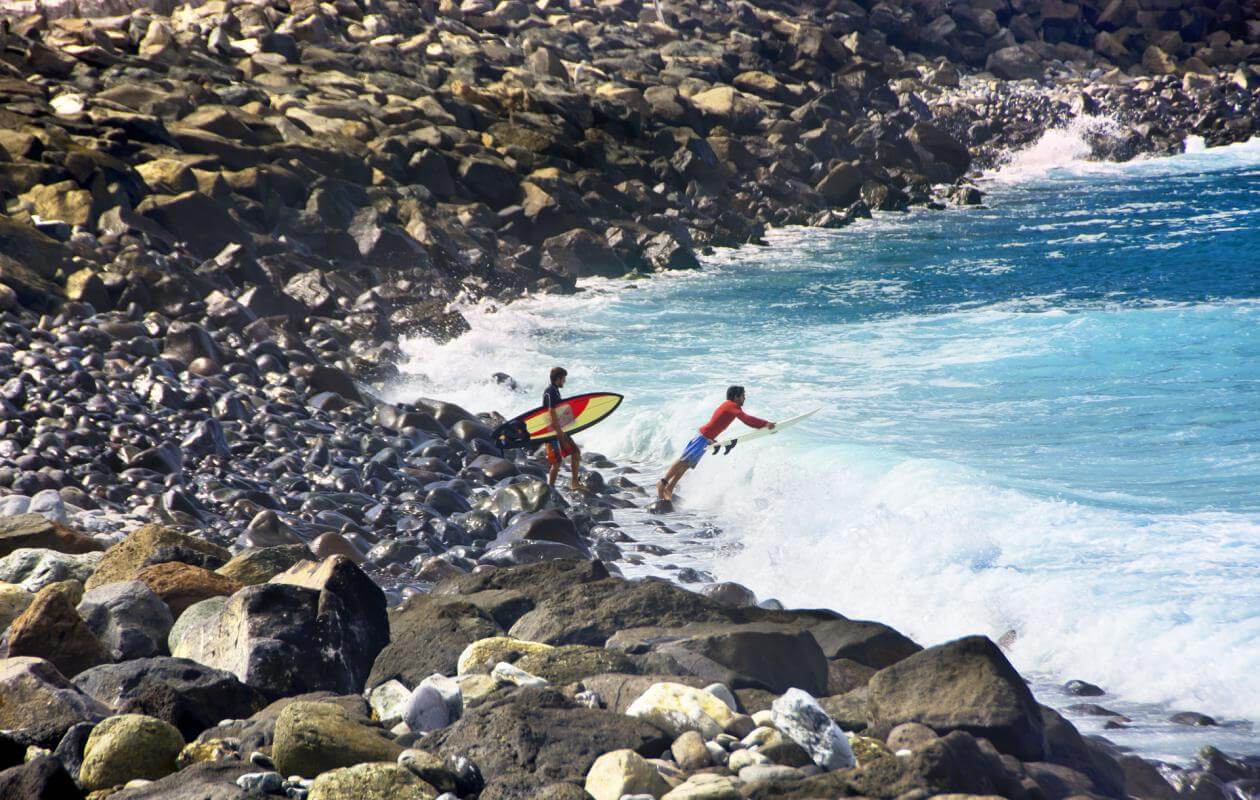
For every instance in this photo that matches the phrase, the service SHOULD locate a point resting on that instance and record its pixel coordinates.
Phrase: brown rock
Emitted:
(34, 530)
(334, 544)
(51, 629)
(125, 559)
(180, 585)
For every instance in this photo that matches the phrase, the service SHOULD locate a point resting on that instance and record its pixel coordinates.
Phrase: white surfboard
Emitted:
(757, 433)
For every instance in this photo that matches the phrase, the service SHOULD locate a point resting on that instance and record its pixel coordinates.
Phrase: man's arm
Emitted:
(751, 421)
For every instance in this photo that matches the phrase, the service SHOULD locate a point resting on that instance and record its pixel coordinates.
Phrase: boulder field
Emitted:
(229, 570)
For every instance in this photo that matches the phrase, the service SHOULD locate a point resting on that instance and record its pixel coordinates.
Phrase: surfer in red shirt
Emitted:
(563, 447)
(728, 412)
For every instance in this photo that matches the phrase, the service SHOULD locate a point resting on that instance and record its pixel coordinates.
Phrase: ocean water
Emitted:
(1040, 421)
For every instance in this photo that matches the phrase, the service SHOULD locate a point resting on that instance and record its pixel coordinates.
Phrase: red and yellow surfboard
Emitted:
(576, 414)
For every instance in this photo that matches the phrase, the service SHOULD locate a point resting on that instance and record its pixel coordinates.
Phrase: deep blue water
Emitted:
(1039, 417)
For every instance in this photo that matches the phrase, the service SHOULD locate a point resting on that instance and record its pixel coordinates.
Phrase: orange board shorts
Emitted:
(557, 453)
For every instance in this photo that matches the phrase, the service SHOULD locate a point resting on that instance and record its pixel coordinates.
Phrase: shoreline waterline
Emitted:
(515, 338)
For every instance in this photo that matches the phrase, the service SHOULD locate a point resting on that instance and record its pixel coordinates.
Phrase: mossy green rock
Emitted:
(574, 662)
(312, 738)
(373, 781)
(264, 563)
(129, 746)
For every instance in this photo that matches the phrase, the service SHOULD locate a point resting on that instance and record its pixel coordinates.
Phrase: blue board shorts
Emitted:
(694, 451)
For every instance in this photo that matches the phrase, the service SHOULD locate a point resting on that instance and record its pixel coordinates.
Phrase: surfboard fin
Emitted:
(730, 447)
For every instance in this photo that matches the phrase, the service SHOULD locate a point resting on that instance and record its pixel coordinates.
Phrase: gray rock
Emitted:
(40, 703)
(129, 619)
(33, 569)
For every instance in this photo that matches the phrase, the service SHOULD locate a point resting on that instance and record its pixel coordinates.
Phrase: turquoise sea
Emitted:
(1040, 420)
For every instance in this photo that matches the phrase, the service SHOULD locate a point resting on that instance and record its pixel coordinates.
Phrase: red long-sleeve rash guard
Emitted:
(727, 413)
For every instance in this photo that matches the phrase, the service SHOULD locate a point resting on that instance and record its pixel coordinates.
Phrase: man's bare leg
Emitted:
(665, 486)
(574, 460)
(552, 473)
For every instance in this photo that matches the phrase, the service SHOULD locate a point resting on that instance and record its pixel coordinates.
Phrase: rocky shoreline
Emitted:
(228, 570)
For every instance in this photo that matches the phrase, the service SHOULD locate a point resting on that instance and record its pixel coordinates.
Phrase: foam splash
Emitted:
(1058, 148)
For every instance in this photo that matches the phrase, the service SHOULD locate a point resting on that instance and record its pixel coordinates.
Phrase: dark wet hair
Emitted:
(734, 391)
(557, 373)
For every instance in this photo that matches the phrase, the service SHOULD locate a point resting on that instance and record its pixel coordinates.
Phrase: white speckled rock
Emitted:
(798, 715)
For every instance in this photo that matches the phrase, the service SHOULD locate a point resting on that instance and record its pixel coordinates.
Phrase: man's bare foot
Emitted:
(663, 491)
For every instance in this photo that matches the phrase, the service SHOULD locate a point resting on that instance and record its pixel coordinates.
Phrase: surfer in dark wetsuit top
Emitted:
(728, 412)
(563, 446)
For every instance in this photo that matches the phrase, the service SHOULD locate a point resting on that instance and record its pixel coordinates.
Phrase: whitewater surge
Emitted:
(1039, 422)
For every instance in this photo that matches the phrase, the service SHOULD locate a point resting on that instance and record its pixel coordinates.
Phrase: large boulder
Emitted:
(282, 640)
(40, 703)
(51, 629)
(363, 599)
(871, 644)
(128, 618)
(548, 525)
(427, 635)
(965, 685)
(144, 546)
(590, 613)
(1016, 62)
(573, 662)
(842, 186)
(37, 531)
(758, 655)
(127, 747)
(311, 738)
(728, 107)
(35, 568)
(190, 696)
(195, 219)
(536, 737)
(581, 253)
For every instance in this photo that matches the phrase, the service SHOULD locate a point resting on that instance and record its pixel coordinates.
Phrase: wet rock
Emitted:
(1082, 689)
(1192, 719)
(963, 685)
(430, 769)
(188, 695)
(127, 747)
(128, 618)
(311, 738)
(51, 629)
(730, 594)
(35, 531)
